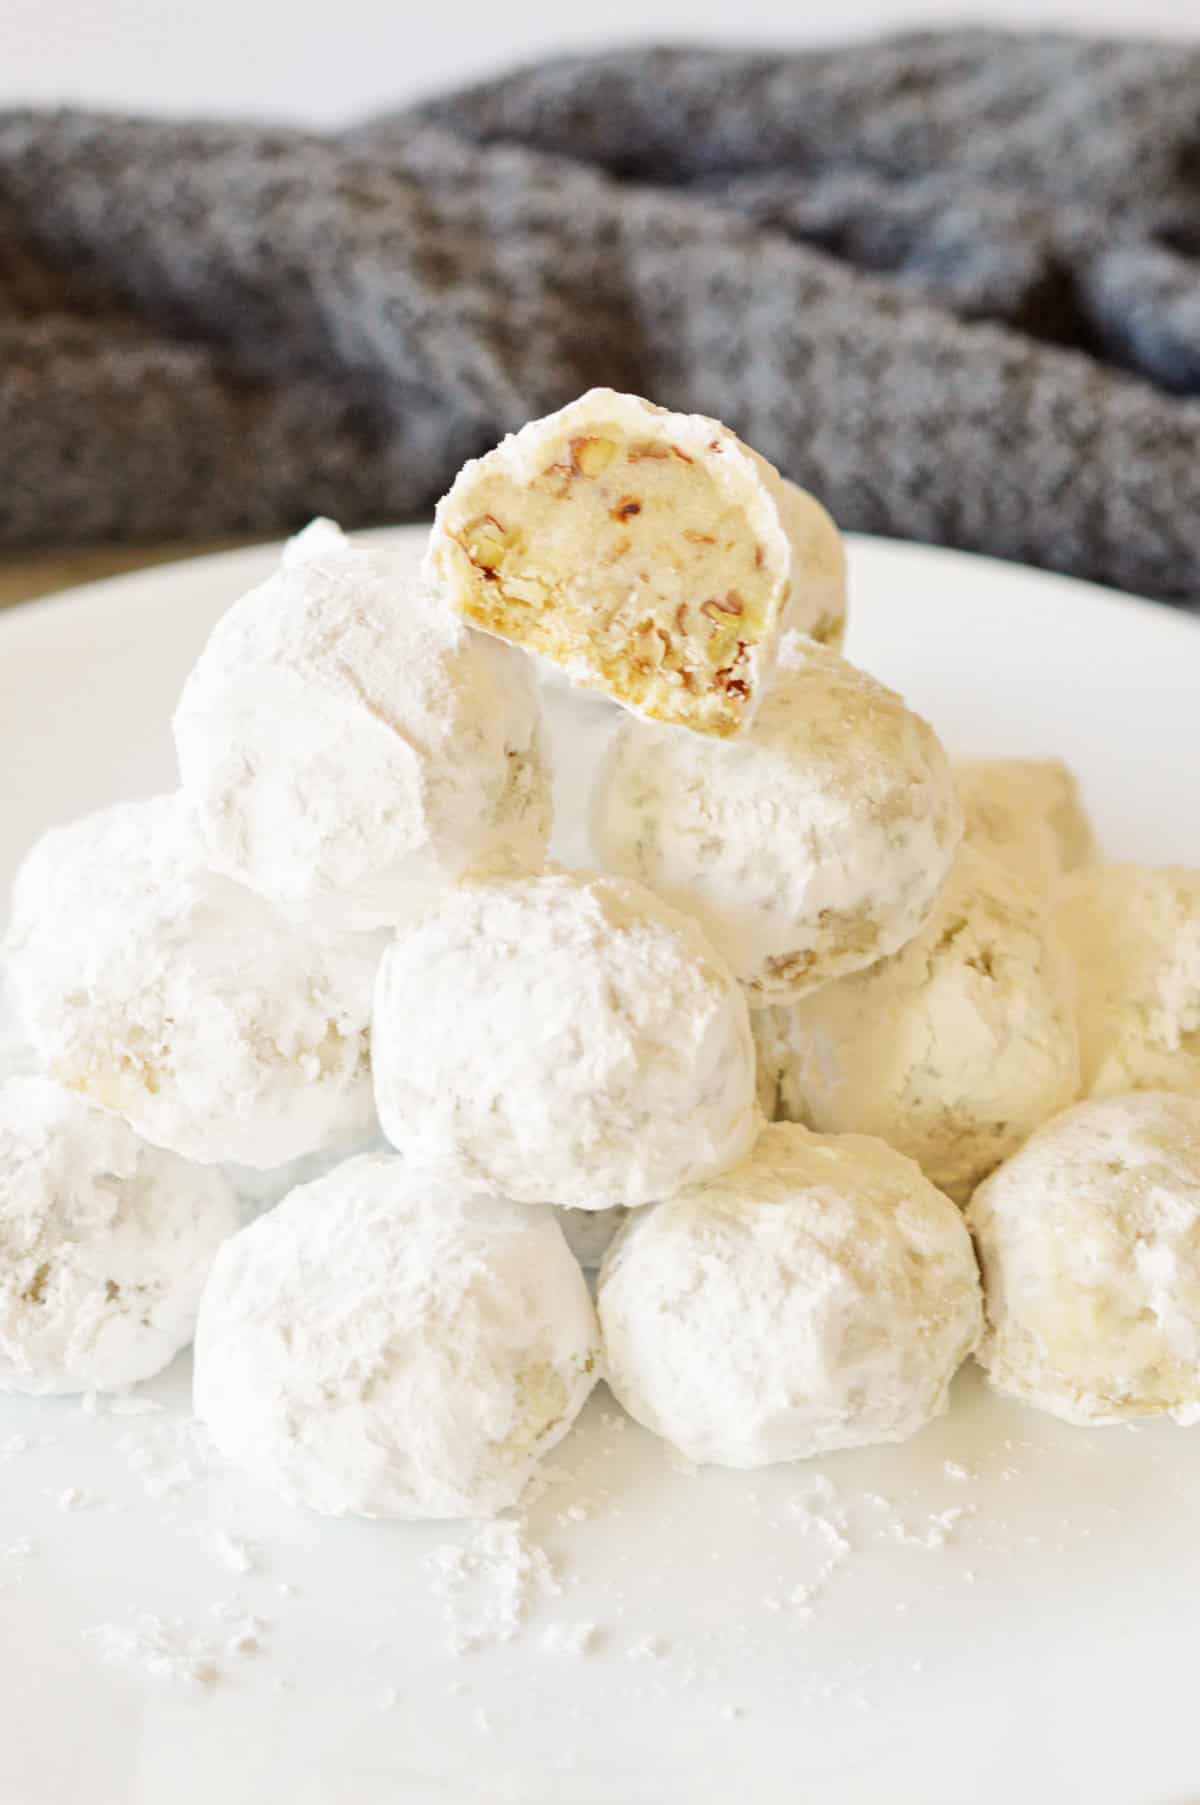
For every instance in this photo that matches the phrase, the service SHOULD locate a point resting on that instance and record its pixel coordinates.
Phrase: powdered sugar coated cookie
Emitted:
(105, 1243)
(820, 1296)
(812, 845)
(1027, 814)
(567, 1039)
(183, 1001)
(1133, 932)
(382, 1345)
(346, 743)
(954, 1049)
(1089, 1239)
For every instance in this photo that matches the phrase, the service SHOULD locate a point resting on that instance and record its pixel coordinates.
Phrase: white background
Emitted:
(290, 59)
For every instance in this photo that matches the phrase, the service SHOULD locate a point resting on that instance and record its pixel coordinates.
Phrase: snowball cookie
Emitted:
(382, 1346)
(821, 1296)
(1027, 813)
(565, 1039)
(814, 845)
(344, 740)
(1089, 1239)
(105, 1244)
(652, 555)
(590, 1233)
(183, 1001)
(1134, 934)
(954, 1049)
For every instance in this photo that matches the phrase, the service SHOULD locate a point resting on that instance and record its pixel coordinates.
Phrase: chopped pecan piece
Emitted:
(592, 457)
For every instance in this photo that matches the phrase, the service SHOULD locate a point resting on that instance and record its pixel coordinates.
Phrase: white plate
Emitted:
(1039, 1645)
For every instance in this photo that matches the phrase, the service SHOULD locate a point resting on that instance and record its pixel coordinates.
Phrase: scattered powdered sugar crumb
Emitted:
(246, 1636)
(246, 1633)
(162, 1648)
(14, 1558)
(169, 1457)
(954, 1470)
(488, 1583)
(15, 1445)
(569, 1638)
(544, 1480)
(73, 1497)
(649, 1648)
(941, 1528)
(483, 1722)
(126, 1404)
(388, 1699)
(818, 1508)
(165, 1648)
(583, 1509)
(238, 1555)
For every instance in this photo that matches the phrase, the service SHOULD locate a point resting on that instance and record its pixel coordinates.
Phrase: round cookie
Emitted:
(104, 1244)
(564, 1039)
(383, 1346)
(1133, 932)
(183, 1001)
(820, 1296)
(1089, 1240)
(813, 845)
(346, 743)
(954, 1049)
(650, 554)
(1027, 814)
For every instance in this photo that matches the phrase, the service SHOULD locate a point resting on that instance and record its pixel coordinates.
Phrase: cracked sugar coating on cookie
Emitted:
(183, 1001)
(1133, 932)
(567, 1039)
(954, 1049)
(820, 1296)
(813, 845)
(651, 554)
(1028, 814)
(386, 1345)
(105, 1243)
(345, 742)
(1089, 1239)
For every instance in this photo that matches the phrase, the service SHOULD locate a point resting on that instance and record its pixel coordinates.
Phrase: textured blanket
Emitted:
(950, 282)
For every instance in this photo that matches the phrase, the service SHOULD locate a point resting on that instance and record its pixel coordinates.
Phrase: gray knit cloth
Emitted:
(950, 282)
